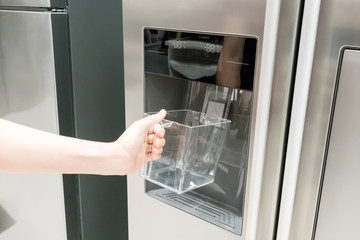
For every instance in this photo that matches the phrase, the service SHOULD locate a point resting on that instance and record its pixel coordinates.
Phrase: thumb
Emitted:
(153, 119)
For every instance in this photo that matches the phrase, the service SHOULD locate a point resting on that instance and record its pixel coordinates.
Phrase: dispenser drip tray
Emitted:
(209, 210)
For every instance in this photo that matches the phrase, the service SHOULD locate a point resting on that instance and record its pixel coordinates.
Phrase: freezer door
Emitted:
(33, 3)
(320, 192)
(31, 205)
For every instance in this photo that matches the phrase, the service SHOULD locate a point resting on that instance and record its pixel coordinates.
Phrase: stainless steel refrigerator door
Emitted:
(152, 219)
(339, 208)
(335, 26)
(33, 202)
(26, 3)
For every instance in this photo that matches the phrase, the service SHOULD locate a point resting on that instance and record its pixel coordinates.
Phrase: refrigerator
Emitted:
(289, 165)
(61, 72)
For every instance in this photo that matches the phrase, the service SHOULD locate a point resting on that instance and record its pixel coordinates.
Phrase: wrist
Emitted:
(112, 161)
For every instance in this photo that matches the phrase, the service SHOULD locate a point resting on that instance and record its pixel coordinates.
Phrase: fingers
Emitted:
(157, 129)
(154, 146)
(156, 153)
(151, 120)
(155, 142)
(153, 152)
(151, 136)
(155, 134)
(159, 143)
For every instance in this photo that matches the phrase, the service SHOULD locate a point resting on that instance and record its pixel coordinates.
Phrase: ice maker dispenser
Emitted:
(205, 82)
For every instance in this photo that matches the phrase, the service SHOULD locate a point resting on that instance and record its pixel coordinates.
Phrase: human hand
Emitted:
(141, 142)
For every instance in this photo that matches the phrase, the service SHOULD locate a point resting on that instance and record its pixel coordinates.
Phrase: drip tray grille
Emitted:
(197, 205)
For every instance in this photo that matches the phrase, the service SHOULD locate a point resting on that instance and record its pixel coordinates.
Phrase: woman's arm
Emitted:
(24, 149)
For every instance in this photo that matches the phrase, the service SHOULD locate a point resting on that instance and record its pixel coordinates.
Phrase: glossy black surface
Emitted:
(217, 59)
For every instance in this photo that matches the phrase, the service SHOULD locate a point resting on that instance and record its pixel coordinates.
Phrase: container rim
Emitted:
(219, 119)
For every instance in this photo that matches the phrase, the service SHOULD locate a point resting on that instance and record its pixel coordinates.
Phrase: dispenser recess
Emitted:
(203, 74)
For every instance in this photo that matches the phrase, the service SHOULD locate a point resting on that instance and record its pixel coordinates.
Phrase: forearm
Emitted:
(24, 149)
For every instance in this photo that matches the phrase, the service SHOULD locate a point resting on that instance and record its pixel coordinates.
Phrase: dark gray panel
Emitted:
(72, 206)
(58, 3)
(103, 207)
(97, 66)
(97, 72)
(63, 73)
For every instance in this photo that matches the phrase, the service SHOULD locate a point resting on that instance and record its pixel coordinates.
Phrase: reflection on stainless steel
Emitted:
(26, 3)
(6, 220)
(4, 104)
(25, 62)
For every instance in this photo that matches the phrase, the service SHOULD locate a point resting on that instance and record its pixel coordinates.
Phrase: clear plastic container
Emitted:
(193, 145)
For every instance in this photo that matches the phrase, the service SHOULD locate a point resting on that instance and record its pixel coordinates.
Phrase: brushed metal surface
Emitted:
(297, 118)
(281, 88)
(337, 27)
(26, 3)
(339, 208)
(35, 202)
(151, 219)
